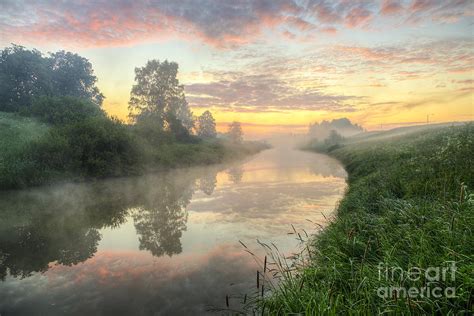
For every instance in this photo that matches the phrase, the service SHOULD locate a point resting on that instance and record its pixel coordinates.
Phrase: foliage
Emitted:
(72, 75)
(23, 75)
(62, 110)
(76, 140)
(206, 127)
(343, 126)
(235, 133)
(333, 139)
(16, 136)
(95, 147)
(409, 204)
(86, 144)
(28, 74)
(157, 94)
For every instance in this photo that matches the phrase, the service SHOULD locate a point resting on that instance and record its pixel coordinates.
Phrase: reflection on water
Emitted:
(165, 243)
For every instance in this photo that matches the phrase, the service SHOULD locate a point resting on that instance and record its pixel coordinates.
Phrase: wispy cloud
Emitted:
(262, 93)
(219, 23)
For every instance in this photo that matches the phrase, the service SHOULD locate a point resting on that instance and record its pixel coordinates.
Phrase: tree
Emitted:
(206, 125)
(157, 94)
(334, 138)
(235, 133)
(72, 75)
(26, 75)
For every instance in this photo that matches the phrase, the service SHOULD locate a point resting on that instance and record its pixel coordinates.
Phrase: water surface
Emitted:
(158, 244)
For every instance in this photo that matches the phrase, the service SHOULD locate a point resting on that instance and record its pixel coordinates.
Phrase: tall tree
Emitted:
(158, 95)
(235, 133)
(206, 125)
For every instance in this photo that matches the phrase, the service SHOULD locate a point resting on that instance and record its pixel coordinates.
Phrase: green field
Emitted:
(409, 208)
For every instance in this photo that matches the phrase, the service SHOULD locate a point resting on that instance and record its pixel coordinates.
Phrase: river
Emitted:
(162, 244)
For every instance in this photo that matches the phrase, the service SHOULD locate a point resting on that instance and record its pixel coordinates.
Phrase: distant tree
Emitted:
(157, 94)
(206, 125)
(334, 138)
(27, 74)
(235, 133)
(208, 184)
(235, 174)
(343, 126)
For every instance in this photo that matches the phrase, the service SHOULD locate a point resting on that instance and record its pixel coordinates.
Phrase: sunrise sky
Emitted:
(273, 65)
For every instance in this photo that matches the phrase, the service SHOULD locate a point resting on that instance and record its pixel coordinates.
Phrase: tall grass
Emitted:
(409, 205)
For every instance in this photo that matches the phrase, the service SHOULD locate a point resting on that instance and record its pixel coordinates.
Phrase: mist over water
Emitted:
(164, 243)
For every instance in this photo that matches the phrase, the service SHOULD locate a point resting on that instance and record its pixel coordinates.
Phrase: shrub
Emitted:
(95, 147)
(62, 110)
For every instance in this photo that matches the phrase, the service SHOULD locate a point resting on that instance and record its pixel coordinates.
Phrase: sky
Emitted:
(273, 65)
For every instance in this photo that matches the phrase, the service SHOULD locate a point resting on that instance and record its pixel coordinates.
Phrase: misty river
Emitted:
(165, 243)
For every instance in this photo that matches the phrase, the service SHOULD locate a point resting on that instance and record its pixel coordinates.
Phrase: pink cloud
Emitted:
(357, 17)
(389, 7)
(218, 23)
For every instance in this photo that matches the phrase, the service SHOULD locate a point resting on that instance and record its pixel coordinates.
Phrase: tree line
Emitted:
(28, 78)
(82, 141)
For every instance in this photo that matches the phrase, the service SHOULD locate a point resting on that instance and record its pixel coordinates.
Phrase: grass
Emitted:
(409, 205)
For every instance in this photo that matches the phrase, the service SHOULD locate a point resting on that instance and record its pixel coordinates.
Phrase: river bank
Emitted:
(34, 153)
(408, 214)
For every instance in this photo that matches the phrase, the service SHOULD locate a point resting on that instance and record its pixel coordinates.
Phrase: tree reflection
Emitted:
(207, 184)
(161, 221)
(38, 229)
(235, 174)
(61, 224)
(30, 247)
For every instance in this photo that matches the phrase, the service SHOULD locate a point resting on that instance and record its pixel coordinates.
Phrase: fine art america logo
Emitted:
(434, 285)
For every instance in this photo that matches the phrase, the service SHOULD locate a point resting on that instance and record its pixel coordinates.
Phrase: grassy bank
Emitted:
(58, 145)
(409, 206)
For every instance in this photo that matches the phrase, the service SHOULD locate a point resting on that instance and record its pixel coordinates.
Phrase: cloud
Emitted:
(409, 60)
(442, 11)
(389, 7)
(262, 93)
(358, 17)
(114, 23)
(222, 24)
(464, 82)
(273, 81)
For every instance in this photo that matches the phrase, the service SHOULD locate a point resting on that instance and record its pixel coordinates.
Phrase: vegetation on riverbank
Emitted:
(34, 153)
(53, 128)
(408, 211)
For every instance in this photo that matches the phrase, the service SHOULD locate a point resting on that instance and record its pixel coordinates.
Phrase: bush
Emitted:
(16, 136)
(94, 148)
(62, 110)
